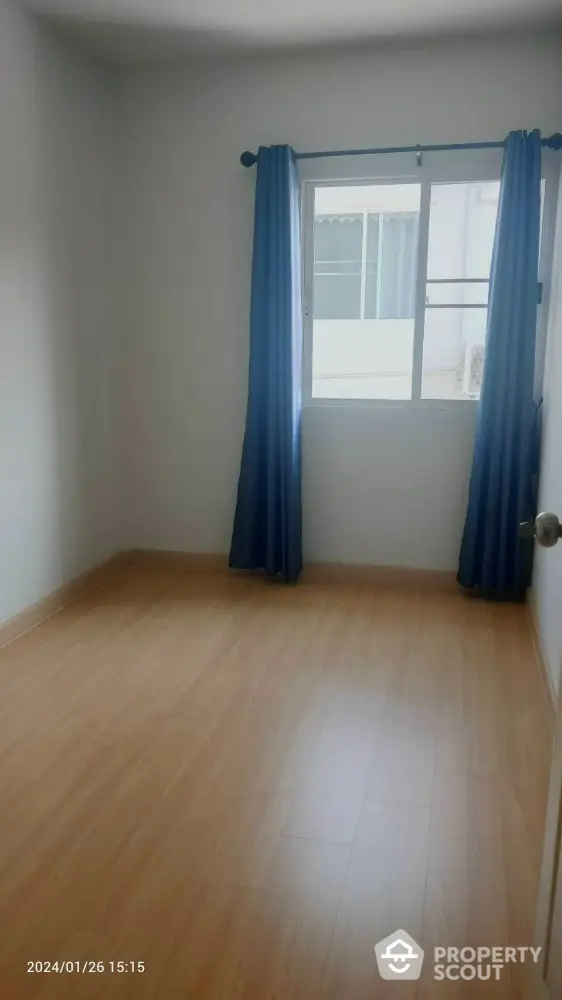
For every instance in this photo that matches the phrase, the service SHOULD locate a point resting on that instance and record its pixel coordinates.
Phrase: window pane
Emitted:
(372, 266)
(338, 241)
(390, 289)
(398, 266)
(337, 296)
(363, 326)
(457, 293)
(461, 237)
(462, 224)
(453, 353)
(338, 238)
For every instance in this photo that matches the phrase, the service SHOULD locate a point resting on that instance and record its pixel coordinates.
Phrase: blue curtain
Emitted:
(267, 522)
(494, 561)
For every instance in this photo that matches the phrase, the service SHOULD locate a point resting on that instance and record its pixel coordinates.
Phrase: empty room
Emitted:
(280, 498)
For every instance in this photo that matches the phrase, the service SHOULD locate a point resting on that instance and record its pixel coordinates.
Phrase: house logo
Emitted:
(399, 957)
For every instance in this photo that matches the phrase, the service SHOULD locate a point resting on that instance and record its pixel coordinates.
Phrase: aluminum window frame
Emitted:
(387, 169)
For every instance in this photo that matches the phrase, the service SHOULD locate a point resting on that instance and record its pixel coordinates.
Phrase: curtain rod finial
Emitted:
(248, 159)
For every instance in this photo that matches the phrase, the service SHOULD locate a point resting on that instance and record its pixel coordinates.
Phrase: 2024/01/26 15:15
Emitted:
(67, 966)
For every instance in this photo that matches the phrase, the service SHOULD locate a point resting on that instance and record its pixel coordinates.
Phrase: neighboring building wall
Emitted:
(358, 358)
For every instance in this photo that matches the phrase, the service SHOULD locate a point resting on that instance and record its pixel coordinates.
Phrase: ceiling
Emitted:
(136, 29)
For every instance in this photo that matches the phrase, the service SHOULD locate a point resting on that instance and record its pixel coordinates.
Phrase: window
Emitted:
(396, 287)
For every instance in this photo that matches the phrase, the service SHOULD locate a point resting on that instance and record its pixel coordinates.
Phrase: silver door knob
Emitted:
(546, 530)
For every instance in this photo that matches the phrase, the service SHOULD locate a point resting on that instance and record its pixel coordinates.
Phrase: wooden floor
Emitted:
(245, 786)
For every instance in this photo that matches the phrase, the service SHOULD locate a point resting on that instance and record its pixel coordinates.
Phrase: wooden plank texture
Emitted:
(245, 786)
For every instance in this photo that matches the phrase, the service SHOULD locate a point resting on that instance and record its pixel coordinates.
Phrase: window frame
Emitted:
(387, 169)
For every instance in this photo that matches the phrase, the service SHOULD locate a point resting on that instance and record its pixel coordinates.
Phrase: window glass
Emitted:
(462, 224)
(365, 265)
(338, 243)
(397, 234)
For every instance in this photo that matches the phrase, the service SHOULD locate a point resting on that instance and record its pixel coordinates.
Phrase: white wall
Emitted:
(547, 582)
(378, 487)
(57, 473)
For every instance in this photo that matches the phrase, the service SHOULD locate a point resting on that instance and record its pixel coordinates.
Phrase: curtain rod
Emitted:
(248, 159)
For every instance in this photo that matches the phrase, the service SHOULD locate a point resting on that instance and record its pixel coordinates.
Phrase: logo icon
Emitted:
(399, 957)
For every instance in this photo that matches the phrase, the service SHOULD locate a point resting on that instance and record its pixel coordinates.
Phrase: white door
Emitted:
(549, 916)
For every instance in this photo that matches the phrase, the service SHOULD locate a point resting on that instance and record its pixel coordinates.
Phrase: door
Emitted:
(547, 531)
(549, 914)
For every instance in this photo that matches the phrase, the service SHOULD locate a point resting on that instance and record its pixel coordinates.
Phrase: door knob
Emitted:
(546, 530)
